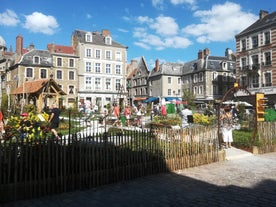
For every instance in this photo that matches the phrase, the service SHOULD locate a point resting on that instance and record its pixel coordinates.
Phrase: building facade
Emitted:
(256, 56)
(102, 67)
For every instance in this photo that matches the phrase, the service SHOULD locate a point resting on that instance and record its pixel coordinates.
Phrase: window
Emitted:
(267, 37)
(36, 60)
(243, 63)
(108, 55)
(169, 92)
(71, 75)
(224, 76)
(71, 63)
(29, 73)
(88, 66)
(59, 74)
(118, 84)
(88, 52)
(267, 81)
(169, 80)
(88, 37)
(267, 58)
(108, 40)
(108, 84)
(243, 44)
(98, 54)
(215, 75)
(88, 83)
(195, 90)
(179, 80)
(255, 62)
(255, 81)
(195, 78)
(71, 89)
(43, 73)
(107, 68)
(118, 56)
(255, 41)
(200, 77)
(97, 83)
(97, 67)
(59, 62)
(118, 69)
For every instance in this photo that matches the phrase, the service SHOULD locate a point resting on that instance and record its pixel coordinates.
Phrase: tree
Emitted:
(189, 97)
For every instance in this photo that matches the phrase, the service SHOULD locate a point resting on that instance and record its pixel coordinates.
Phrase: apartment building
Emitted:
(256, 56)
(165, 80)
(209, 77)
(137, 81)
(41, 77)
(102, 67)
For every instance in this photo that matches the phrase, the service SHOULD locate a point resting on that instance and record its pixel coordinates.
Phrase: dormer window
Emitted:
(36, 60)
(108, 40)
(88, 37)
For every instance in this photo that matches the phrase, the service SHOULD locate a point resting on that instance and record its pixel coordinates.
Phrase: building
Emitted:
(102, 67)
(28, 65)
(165, 80)
(209, 77)
(137, 81)
(256, 56)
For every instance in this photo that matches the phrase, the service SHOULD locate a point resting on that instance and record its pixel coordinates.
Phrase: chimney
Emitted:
(105, 32)
(206, 51)
(19, 45)
(156, 65)
(262, 14)
(200, 55)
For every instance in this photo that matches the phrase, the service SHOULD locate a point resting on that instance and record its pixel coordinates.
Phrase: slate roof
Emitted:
(98, 39)
(45, 58)
(168, 69)
(260, 24)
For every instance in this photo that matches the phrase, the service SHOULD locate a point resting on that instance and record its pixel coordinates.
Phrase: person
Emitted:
(88, 116)
(2, 126)
(185, 113)
(54, 121)
(226, 126)
(127, 113)
(25, 125)
(104, 114)
(116, 113)
(163, 110)
(139, 114)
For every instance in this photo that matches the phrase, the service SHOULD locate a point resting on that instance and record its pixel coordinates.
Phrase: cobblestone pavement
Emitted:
(242, 180)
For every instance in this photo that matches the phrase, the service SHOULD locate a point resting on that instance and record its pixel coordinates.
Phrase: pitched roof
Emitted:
(53, 48)
(36, 85)
(266, 21)
(98, 39)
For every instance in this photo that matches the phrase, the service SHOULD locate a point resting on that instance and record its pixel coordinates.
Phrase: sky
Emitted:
(168, 30)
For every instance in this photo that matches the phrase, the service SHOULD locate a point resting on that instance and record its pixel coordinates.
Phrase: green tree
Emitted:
(189, 97)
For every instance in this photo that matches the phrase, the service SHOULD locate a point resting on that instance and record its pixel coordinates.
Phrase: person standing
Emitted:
(185, 113)
(116, 112)
(2, 126)
(54, 120)
(227, 126)
(163, 111)
(127, 113)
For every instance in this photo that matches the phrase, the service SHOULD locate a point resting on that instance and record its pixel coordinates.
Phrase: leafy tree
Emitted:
(189, 97)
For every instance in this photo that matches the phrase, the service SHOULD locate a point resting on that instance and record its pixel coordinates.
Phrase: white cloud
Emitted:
(221, 23)
(88, 16)
(9, 18)
(40, 23)
(165, 26)
(191, 3)
(158, 4)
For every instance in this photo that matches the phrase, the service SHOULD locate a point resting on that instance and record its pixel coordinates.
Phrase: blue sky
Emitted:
(170, 30)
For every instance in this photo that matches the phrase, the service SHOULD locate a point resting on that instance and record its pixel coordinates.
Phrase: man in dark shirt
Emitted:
(54, 120)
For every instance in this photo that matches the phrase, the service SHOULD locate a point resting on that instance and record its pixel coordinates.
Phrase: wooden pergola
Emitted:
(42, 93)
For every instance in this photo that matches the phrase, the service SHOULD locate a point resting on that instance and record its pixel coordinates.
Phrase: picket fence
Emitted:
(30, 169)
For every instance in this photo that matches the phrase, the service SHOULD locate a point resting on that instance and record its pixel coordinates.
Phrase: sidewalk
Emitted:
(243, 179)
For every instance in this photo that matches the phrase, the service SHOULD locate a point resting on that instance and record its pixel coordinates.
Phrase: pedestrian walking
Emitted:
(54, 121)
(227, 126)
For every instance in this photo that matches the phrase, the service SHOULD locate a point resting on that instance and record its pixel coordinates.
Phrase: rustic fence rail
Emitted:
(30, 169)
(266, 139)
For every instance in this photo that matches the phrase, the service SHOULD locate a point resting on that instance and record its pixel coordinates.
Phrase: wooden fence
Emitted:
(266, 139)
(44, 167)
